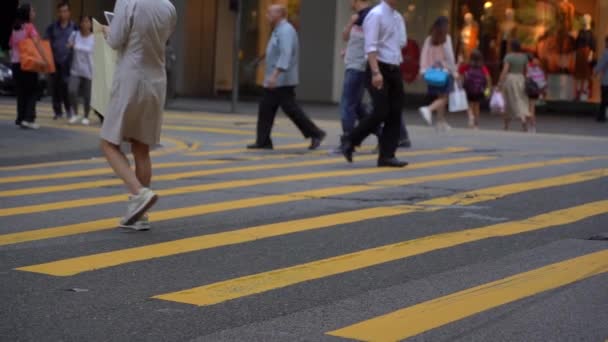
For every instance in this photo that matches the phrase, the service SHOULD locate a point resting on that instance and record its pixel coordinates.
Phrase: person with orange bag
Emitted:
(26, 82)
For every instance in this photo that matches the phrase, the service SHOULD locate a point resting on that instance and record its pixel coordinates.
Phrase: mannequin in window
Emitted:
(566, 11)
(488, 30)
(585, 52)
(508, 29)
(469, 38)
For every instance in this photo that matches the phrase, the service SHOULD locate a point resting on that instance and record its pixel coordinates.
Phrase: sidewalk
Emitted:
(572, 124)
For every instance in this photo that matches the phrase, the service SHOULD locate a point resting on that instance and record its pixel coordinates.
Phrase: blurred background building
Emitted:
(203, 41)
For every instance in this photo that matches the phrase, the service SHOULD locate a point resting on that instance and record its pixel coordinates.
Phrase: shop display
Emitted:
(561, 33)
(469, 38)
(585, 52)
(508, 32)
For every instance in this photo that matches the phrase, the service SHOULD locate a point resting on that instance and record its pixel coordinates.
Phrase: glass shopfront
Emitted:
(562, 33)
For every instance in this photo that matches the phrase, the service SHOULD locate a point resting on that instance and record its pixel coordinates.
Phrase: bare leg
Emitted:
(507, 120)
(439, 106)
(476, 114)
(120, 164)
(532, 118)
(143, 164)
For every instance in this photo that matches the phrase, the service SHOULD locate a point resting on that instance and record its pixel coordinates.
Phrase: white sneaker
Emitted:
(30, 125)
(138, 205)
(75, 119)
(426, 115)
(86, 122)
(140, 225)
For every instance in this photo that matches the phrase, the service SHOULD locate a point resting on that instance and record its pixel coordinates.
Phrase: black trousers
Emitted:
(59, 90)
(388, 106)
(284, 97)
(26, 85)
(601, 116)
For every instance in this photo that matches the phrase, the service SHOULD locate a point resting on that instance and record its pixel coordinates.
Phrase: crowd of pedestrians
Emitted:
(375, 36)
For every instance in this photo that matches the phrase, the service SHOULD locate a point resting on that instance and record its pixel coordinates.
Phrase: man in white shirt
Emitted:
(385, 36)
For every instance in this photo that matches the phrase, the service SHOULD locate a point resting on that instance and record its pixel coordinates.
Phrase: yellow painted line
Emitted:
(262, 282)
(73, 266)
(87, 227)
(232, 184)
(438, 312)
(201, 173)
(217, 130)
(244, 150)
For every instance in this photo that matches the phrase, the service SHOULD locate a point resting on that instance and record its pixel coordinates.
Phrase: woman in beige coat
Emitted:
(139, 32)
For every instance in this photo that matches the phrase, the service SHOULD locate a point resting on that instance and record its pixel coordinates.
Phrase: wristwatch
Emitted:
(375, 73)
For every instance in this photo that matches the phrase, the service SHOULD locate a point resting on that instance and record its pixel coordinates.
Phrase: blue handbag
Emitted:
(435, 77)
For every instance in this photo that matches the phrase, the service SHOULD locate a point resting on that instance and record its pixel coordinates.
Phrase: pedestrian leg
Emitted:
(349, 103)
(120, 164)
(56, 92)
(390, 133)
(73, 88)
(31, 97)
(601, 115)
(143, 163)
(21, 94)
(86, 85)
(267, 111)
(295, 113)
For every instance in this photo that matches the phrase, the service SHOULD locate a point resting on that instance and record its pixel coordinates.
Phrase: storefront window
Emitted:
(560, 32)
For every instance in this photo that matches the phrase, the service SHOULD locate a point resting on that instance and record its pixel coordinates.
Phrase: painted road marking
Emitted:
(438, 312)
(202, 173)
(73, 266)
(279, 278)
(104, 224)
(231, 184)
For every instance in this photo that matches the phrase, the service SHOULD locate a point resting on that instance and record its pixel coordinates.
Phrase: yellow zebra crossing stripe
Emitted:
(73, 266)
(435, 313)
(104, 224)
(201, 173)
(258, 283)
(232, 184)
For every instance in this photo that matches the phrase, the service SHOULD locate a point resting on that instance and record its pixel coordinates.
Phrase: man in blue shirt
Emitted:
(280, 79)
(601, 69)
(58, 33)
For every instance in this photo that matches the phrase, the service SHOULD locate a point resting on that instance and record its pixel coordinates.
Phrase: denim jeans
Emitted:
(351, 105)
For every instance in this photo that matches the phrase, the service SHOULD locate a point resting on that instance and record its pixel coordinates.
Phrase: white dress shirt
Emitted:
(385, 34)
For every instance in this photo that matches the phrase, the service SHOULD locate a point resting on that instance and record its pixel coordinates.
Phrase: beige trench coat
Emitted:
(139, 33)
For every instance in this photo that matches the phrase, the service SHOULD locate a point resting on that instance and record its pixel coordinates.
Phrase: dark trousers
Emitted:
(80, 86)
(388, 105)
(26, 84)
(59, 90)
(284, 97)
(601, 116)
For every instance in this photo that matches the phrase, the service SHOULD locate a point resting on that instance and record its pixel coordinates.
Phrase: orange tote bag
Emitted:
(31, 60)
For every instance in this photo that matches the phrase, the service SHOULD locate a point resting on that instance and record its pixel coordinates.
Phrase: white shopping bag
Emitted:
(497, 102)
(104, 63)
(458, 99)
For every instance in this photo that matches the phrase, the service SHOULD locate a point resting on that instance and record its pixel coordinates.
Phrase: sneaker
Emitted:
(426, 115)
(75, 119)
(140, 225)
(30, 125)
(86, 122)
(138, 205)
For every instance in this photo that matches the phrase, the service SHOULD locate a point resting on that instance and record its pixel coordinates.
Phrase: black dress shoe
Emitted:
(405, 143)
(347, 148)
(391, 162)
(257, 146)
(317, 141)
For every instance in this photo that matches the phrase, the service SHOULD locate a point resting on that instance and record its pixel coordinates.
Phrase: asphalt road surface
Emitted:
(486, 236)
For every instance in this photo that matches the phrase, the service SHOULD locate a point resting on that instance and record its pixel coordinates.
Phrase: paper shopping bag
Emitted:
(104, 63)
